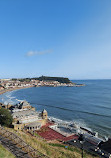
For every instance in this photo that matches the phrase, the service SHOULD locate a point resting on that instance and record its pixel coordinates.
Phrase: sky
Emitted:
(66, 38)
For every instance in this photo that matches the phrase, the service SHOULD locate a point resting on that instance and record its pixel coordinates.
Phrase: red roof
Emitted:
(50, 134)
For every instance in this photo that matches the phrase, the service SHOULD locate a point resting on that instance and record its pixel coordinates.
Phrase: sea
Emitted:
(89, 106)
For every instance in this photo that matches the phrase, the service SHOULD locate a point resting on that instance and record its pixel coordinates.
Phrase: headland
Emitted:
(21, 83)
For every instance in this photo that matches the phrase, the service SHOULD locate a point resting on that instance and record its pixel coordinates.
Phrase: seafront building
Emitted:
(6, 84)
(25, 116)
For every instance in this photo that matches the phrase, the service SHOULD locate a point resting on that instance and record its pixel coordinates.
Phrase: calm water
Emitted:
(89, 105)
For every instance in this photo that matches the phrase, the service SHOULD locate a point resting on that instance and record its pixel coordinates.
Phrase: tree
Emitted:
(5, 117)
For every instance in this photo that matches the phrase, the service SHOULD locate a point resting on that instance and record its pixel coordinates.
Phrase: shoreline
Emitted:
(17, 88)
(12, 89)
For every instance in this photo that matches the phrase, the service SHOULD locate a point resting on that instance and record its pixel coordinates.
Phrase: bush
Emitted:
(5, 117)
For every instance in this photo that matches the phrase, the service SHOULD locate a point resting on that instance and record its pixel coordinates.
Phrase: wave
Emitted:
(81, 123)
(71, 110)
(105, 131)
(19, 100)
(7, 98)
(78, 122)
(12, 100)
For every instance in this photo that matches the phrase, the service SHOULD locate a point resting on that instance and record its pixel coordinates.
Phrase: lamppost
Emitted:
(81, 140)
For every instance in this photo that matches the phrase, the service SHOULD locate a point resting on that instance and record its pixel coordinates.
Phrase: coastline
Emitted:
(17, 88)
(99, 129)
(12, 89)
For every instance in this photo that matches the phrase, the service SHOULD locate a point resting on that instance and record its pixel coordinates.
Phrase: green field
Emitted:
(4, 153)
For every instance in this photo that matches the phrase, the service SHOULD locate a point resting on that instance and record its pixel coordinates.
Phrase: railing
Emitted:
(16, 140)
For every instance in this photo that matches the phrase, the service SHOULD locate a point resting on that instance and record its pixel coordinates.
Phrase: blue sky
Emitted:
(69, 38)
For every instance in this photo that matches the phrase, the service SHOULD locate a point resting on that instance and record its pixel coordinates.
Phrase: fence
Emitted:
(16, 140)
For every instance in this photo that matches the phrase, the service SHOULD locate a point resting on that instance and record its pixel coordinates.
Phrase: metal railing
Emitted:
(17, 141)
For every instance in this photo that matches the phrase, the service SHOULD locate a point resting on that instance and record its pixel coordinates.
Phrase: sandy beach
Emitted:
(12, 89)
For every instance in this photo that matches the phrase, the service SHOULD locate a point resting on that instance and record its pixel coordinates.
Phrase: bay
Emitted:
(89, 105)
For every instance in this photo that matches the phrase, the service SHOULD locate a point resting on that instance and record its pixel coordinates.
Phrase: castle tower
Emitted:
(44, 114)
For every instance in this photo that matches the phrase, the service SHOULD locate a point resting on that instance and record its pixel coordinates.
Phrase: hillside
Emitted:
(53, 149)
(4, 153)
(59, 79)
(45, 78)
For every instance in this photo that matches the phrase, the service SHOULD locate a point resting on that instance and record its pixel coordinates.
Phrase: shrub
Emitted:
(5, 117)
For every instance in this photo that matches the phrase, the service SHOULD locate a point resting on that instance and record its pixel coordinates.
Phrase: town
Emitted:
(30, 121)
(7, 84)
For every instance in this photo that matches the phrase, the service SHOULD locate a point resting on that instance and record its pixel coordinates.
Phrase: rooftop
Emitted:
(24, 113)
(106, 146)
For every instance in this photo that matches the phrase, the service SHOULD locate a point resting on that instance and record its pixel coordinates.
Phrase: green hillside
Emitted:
(4, 153)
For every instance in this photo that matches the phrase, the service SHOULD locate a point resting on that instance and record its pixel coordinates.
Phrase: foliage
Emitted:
(25, 79)
(59, 79)
(14, 79)
(44, 78)
(63, 146)
(5, 117)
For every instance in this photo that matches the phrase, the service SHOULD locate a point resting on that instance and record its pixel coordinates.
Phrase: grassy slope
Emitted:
(4, 153)
(54, 150)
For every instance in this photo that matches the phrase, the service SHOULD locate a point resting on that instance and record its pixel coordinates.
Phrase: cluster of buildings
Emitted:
(79, 137)
(11, 84)
(25, 116)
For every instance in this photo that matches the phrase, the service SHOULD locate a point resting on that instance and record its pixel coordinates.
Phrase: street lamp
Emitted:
(81, 140)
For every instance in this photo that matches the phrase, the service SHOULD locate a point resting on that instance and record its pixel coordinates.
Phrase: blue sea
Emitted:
(89, 105)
